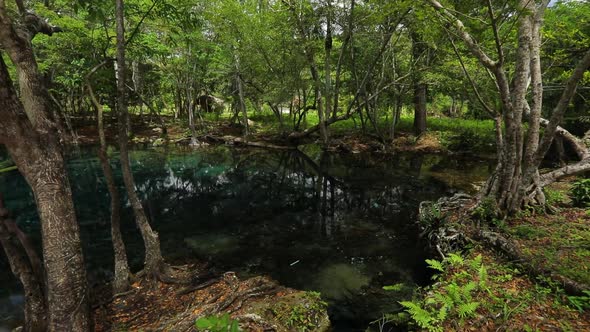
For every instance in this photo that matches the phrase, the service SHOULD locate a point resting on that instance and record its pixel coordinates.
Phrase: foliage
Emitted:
(558, 242)
(580, 302)
(454, 300)
(553, 197)
(217, 324)
(580, 193)
(486, 210)
(303, 316)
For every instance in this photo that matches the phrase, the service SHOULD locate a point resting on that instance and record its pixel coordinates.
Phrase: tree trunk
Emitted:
(517, 182)
(29, 133)
(328, 77)
(153, 257)
(419, 108)
(419, 56)
(241, 101)
(122, 274)
(23, 267)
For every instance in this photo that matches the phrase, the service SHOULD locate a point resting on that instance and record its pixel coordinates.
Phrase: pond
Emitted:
(340, 224)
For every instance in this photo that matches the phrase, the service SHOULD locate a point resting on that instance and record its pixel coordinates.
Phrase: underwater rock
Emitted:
(340, 281)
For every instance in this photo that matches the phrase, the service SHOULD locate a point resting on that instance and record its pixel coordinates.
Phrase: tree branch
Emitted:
(486, 107)
(562, 105)
(572, 169)
(495, 30)
(465, 36)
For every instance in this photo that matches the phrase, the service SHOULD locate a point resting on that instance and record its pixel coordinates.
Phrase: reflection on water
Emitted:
(338, 224)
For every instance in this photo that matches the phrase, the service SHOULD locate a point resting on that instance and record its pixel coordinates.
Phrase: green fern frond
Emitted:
(435, 265)
(483, 276)
(455, 260)
(467, 309)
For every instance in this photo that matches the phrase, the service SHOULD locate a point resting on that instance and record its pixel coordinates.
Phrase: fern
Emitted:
(422, 317)
(454, 292)
(476, 263)
(483, 276)
(455, 260)
(435, 265)
(444, 299)
(468, 309)
(467, 289)
(442, 313)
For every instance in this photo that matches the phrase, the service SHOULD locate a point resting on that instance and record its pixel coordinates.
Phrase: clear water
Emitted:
(338, 224)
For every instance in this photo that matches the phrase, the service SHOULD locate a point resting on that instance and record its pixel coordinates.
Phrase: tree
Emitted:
(517, 181)
(154, 262)
(29, 131)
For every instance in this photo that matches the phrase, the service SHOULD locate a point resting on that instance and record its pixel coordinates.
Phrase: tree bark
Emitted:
(420, 88)
(30, 135)
(419, 108)
(154, 261)
(122, 274)
(23, 267)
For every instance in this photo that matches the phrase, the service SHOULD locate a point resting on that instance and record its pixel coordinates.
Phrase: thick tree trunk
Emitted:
(154, 261)
(122, 274)
(32, 141)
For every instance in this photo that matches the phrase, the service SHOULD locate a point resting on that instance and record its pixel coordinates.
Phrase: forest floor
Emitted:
(487, 289)
(256, 304)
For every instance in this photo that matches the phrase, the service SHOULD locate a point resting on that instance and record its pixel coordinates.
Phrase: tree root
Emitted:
(229, 295)
(443, 238)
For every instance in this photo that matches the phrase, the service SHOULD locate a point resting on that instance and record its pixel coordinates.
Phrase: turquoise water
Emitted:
(338, 224)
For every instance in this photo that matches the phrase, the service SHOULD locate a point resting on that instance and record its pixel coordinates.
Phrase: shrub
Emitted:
(580, 193)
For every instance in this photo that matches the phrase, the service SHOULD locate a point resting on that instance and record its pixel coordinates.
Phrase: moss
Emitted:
(298, 311)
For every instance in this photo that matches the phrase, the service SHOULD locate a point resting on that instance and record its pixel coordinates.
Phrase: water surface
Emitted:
(338, 224)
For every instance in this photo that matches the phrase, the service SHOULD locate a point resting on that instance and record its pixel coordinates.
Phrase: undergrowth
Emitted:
(478, 292)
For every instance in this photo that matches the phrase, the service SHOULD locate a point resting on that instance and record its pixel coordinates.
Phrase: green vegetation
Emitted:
(307, 315)
(454, 300)
(559, 242)
(580, 193)
(221, 323)
(428, 76)
(482, 292)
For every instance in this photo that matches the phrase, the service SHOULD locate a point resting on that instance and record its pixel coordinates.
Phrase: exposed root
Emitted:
(443, 237)
(230, 297)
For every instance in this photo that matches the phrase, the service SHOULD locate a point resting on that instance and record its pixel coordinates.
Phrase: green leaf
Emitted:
(435, 265)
